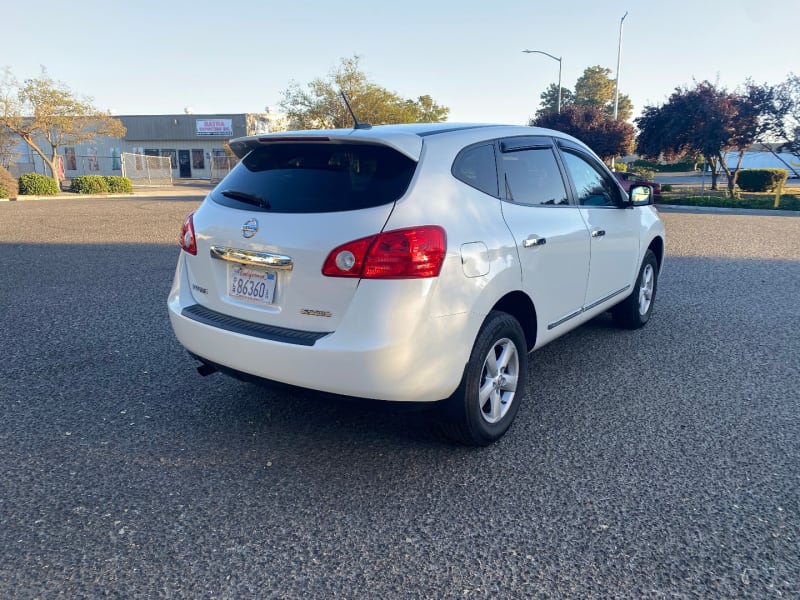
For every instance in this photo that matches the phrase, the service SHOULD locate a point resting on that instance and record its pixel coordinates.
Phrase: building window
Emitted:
(173, 157)
(69, 154)
(198, 159)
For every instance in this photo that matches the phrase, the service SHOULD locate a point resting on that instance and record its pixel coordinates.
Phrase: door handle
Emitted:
(534, 240)
(598, 232)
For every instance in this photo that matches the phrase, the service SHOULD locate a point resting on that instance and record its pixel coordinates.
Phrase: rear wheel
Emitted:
(635, 310)
(483, 407)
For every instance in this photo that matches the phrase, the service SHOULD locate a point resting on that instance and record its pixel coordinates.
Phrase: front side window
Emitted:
(532, 177)
(317, 177)
(592, 187)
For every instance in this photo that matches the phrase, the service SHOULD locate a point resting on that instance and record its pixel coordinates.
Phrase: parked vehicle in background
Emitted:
(628, 180)
(411, 263)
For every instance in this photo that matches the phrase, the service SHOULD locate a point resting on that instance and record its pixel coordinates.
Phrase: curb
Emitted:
(160, 192)
(729, 211)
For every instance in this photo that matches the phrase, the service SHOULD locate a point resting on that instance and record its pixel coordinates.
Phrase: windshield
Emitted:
(316, 177)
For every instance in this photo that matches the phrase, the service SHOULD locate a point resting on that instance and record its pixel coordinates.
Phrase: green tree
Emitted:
(320, 106)
(548, 101)
(596, 88)
(47, 116)
(608, 138)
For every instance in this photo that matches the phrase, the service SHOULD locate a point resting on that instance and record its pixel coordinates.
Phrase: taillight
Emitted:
(188, 241)
(400, 254)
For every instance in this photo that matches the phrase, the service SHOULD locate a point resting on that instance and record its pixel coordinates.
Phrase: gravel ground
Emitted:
(659, 463)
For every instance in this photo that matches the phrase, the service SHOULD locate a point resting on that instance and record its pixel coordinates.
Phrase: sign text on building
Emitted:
(214, 127)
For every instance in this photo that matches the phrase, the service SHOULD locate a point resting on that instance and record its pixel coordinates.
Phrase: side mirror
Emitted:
(641, 195)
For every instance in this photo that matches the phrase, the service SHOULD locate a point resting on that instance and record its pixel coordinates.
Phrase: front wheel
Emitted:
(635, 310)
(483, 407)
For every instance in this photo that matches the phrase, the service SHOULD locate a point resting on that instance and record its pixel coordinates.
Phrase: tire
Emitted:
(635, 310)
(483, 407)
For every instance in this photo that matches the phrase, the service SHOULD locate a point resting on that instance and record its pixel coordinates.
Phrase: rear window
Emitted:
(315, 177)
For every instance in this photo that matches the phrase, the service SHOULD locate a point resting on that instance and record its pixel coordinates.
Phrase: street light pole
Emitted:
(558, 58)
(619, 55)
(616, 81)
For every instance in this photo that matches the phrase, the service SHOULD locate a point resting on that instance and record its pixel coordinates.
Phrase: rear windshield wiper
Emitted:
(245, 197)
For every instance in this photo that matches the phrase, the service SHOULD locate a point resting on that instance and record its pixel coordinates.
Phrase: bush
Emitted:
(643, 164)
(8, 184)
(620, 167)
(98, 184)
(119, 185)
(36, 184)
(89, 184)
(666, 187)
(761, 180)
(645, 174)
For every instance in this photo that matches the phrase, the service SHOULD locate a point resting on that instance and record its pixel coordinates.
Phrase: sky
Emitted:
(153, 57)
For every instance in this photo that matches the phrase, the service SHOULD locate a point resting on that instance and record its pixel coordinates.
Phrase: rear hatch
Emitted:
(265, 231)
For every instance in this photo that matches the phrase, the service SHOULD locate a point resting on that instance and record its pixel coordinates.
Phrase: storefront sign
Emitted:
(222, 127)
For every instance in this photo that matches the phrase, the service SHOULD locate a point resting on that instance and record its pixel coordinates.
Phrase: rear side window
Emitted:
(476, 166)
(315, 178)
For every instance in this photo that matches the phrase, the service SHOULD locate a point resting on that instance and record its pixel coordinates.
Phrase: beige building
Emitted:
(192, 142)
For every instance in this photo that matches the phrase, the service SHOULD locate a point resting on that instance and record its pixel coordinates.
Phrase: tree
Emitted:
(322, 107)
(787, 98)
(608, 138)
(549, 99)
(596, 88)
(44, 112)
(707, 120)
(8, 143)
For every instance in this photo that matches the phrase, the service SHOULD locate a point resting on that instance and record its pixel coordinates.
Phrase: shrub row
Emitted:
(761, 180)
(36, 184)
(98, 184)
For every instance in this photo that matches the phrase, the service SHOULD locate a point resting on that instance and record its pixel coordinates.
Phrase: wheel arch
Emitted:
(657, 246)
(519, 305)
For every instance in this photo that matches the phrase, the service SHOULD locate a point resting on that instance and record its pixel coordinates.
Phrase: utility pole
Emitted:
(616, 82)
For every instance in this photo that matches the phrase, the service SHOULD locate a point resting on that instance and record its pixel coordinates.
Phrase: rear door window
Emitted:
(532, 177)
(316, 177)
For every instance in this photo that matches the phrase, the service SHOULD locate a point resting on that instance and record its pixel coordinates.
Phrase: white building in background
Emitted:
(191, 141)
(765, 156)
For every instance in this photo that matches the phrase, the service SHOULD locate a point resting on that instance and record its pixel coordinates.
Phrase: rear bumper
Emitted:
(378, 354)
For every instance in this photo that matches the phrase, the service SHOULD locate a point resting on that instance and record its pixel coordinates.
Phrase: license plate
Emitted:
(254, 285)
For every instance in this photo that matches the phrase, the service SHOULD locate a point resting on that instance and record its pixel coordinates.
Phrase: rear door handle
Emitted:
(534, 240)
(598, 232)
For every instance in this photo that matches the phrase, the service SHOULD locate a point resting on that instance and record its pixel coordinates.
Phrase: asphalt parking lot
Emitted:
(659, 463)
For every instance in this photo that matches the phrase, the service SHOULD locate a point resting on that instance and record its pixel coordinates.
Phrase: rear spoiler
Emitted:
(408, 144)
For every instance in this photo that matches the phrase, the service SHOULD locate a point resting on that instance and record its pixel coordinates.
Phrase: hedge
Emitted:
(36, 184)
(99, 184)
(761, 180)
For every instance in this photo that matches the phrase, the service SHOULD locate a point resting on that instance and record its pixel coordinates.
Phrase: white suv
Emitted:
(411, 263)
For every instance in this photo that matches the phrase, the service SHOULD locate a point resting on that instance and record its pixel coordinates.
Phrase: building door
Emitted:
(184, 163)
